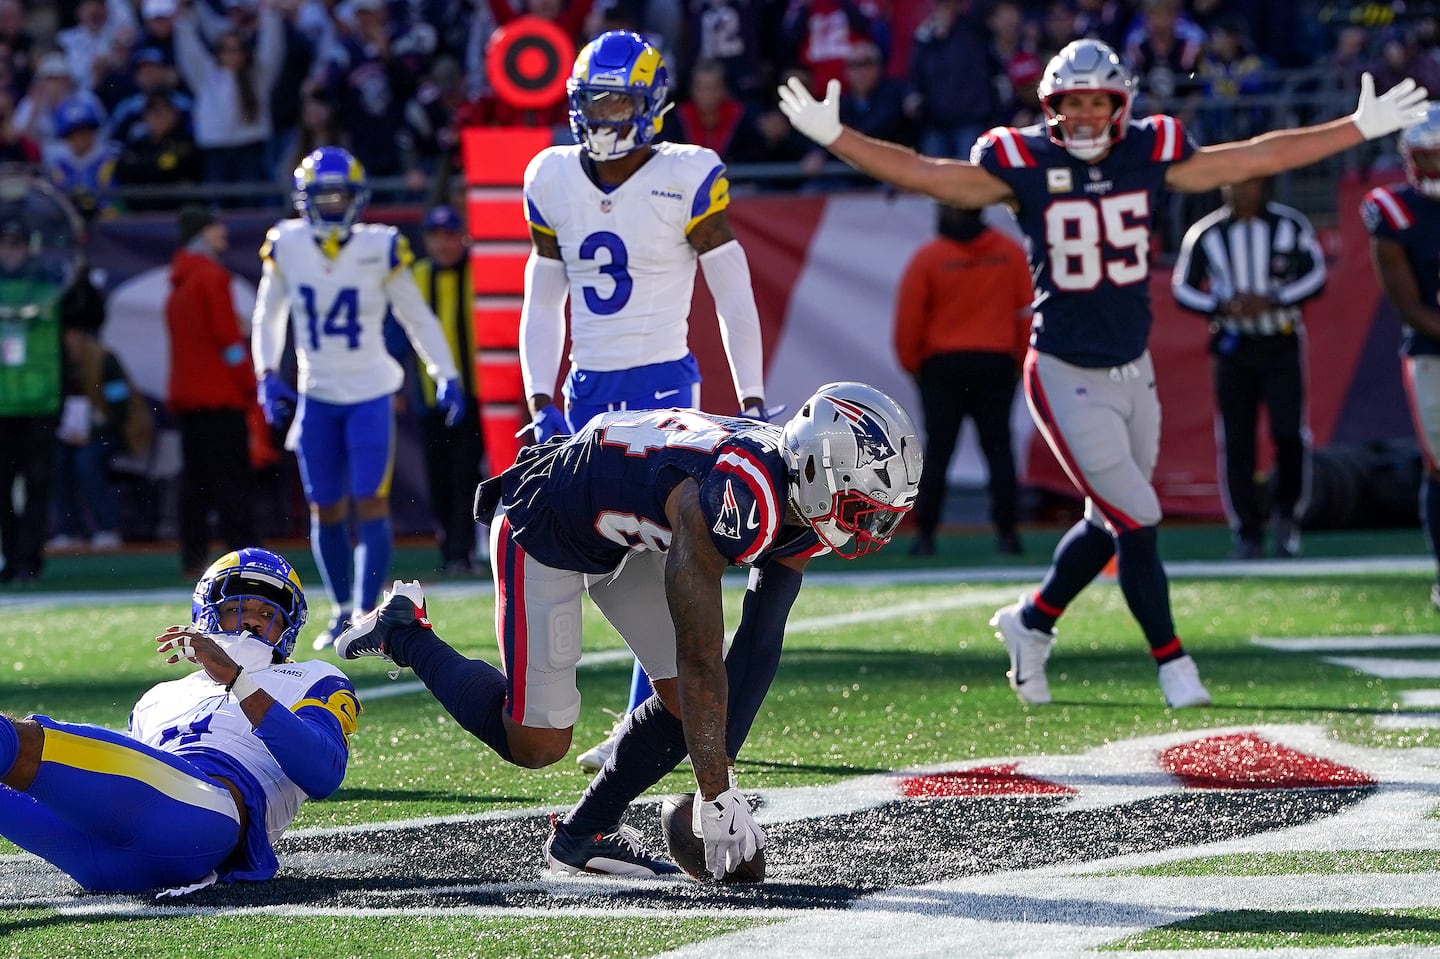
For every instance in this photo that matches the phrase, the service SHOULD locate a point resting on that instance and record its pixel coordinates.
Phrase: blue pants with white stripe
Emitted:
(117, 815)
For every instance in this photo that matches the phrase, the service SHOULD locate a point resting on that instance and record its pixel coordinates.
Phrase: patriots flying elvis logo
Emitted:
(728, 523)
(871, 443)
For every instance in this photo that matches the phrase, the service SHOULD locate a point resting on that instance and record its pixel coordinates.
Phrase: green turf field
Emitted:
(876, 677)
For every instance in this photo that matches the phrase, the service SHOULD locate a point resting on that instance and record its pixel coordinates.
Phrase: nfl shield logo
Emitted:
(606, 205)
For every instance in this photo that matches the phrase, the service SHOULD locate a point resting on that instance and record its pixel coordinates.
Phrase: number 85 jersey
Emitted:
(630, 265)
(1088, 227)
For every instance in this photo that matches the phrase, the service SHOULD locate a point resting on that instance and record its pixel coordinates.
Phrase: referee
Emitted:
(1248, 266)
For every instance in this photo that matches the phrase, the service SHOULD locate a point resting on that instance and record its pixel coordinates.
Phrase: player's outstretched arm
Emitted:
(1401, 106)
(950, 181)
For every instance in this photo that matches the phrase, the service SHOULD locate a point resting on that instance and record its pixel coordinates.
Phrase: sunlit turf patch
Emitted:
(33, 932)
(1291, 863)
(1264, 929)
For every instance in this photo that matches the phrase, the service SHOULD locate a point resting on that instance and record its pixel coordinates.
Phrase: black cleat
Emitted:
(619, 853)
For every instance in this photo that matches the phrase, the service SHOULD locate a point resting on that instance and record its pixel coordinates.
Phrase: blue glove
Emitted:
(549, 422)
(765, 414)
(450, 396)
(277, 399)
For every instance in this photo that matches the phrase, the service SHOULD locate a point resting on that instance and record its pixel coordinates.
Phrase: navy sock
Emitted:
(9, 745)
(754, 655)
(1079, 557)
(651, 744)
(471, 690)
(1147, 591)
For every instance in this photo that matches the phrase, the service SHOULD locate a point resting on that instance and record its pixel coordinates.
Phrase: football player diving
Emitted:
(1085, 184)
(645, 510)
(212, 768)
(335, 279)
(618, 222)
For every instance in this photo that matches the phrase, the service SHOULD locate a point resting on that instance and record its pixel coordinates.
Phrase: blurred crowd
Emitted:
(120, 100)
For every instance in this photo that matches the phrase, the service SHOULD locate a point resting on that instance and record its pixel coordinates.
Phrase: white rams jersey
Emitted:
(630, 266)
(338, 299)
(197, 713)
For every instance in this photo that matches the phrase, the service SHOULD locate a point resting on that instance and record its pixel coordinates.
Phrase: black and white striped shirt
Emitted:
(1274, 254)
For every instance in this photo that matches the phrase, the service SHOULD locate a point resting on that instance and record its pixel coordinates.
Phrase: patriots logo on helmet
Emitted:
(871, 443)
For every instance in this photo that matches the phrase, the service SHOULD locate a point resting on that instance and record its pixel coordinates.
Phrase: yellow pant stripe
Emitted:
(99, 756)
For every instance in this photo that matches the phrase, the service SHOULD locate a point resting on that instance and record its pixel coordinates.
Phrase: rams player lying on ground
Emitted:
(213, 767)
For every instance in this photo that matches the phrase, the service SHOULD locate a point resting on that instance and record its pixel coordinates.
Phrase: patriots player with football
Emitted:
(618, 222)
(1404, 226)
(644, 511)
(1085, 184)
(212, 768)
(336, 279)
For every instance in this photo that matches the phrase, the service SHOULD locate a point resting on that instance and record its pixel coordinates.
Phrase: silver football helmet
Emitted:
(1420, 149)
(854, 462)
(1086, 66)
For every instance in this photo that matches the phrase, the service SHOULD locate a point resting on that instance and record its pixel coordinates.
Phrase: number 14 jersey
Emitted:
(1088, 227)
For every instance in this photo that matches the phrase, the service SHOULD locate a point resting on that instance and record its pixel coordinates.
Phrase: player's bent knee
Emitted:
(31, 736)
(538, 748)
(669, 692)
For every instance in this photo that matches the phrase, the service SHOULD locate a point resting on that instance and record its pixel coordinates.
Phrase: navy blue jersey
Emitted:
(1088, 228)
(1408, 217)
(582, 503)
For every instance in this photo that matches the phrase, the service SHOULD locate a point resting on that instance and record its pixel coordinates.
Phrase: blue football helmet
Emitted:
(251, 573)
(331, 191)
(618, 94)
(1420, 150)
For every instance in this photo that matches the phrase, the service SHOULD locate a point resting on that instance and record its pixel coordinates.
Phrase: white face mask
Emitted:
(606, 143)
(250, 654)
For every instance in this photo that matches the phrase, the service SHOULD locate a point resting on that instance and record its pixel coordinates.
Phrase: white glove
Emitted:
(817, 119)
(1401, 106)
(731, 834)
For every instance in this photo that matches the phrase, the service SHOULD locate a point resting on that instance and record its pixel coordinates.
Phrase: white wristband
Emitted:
(243, 686)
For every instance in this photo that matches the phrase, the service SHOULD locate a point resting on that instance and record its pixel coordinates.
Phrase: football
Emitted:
(688, 850)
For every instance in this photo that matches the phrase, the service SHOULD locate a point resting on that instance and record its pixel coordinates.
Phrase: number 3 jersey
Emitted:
(338, 299)
(304, 735)
(1088, 229)
(584, 502)
(626, 250)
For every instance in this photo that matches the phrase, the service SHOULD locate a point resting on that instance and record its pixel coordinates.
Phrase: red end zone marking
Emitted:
(1245, 761)
(984, 781)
